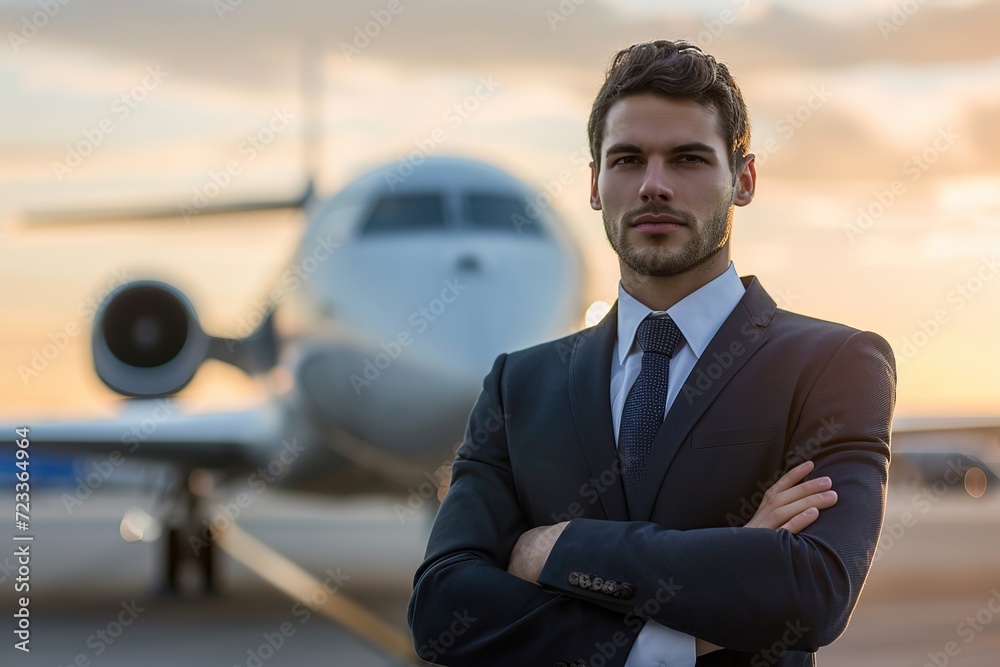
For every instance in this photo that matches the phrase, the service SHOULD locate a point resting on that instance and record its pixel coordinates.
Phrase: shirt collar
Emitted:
(698, 315)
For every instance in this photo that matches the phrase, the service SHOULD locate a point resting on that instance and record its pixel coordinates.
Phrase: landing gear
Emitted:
(177, 550)
(189, 538)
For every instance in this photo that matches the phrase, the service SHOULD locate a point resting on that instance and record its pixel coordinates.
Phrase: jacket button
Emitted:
(574, 579)
(584, 580)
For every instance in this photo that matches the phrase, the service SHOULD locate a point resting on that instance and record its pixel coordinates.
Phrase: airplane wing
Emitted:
(956, 451)
(50, 218)
(161, 430)
(947, 425)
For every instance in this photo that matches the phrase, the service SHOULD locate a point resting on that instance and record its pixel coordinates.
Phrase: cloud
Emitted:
(257, 45)
(229, 69)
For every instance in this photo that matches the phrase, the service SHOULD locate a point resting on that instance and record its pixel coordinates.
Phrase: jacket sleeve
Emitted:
(465, 608)
(746, 589)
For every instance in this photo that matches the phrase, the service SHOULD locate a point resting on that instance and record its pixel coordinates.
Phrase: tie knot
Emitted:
(659, 335)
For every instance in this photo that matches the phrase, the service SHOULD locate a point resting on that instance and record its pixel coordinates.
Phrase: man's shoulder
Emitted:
(557, 350)
(793, 323)
(815, 335)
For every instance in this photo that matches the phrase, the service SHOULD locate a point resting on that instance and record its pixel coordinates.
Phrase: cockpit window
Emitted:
(406, 213)
(498, 213)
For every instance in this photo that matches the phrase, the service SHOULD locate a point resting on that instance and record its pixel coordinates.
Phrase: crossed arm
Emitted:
(790, 504)
(739, 586)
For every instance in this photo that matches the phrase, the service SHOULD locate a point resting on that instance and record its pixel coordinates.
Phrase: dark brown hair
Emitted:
(674, 69)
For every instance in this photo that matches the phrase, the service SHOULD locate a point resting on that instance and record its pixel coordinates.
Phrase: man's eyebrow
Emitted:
(622, 148)
(694, 147)
(691, 147)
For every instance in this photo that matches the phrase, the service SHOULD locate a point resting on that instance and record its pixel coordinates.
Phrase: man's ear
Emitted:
(595, 196)
(746, 182)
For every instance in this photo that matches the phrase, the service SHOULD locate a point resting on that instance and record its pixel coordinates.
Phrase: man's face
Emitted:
(665, 188)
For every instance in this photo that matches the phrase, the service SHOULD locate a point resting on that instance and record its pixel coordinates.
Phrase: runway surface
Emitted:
(93, 600)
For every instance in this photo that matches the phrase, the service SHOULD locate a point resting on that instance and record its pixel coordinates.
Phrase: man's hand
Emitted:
(792, 505)
(442, 477)
(532, 550)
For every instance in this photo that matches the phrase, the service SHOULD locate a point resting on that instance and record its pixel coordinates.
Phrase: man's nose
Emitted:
(657, 185)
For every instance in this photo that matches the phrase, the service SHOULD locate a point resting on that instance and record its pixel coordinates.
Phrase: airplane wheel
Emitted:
(207, 562)
(172, 561)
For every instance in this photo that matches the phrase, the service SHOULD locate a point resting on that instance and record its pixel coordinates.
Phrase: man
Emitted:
(607, 504)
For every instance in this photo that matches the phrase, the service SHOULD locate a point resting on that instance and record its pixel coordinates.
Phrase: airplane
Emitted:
(373, 345)
(405, 286)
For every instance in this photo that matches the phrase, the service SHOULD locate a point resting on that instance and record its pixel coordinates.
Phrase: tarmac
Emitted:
(930, 599)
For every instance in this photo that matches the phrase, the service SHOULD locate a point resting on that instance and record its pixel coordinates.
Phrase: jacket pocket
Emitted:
(744, 435)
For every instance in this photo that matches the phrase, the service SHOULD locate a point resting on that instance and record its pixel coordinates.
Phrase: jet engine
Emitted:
(147, 341)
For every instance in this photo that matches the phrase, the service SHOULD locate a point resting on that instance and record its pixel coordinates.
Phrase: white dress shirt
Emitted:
(699, 316)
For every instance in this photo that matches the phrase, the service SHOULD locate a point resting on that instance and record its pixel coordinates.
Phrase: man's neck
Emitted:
(662, 292)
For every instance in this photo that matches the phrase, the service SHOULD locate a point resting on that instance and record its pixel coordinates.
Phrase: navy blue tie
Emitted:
(643, 413)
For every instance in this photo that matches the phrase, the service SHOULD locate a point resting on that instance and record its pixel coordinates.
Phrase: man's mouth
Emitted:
(657, 223)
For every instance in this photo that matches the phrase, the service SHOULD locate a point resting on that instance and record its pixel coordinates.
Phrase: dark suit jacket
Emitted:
(772, 389)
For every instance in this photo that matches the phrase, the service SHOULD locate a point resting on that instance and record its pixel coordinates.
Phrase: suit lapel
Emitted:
(739, 337)
(590, 388)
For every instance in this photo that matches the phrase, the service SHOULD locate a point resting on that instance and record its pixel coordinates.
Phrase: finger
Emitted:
(801, 521)
(790, 479)
(787, 497)
(800, 491)
(781, 515)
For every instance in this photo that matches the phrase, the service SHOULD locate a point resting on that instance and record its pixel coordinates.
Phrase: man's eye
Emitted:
(626, 159)
(692, 159)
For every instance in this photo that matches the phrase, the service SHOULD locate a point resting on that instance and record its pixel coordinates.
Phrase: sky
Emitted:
(874, 126)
